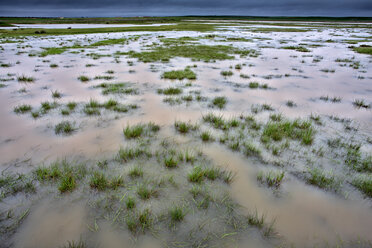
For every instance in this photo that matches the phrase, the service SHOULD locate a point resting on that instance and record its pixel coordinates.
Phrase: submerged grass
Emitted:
(64, 127)
(180, 74)
(297, 129)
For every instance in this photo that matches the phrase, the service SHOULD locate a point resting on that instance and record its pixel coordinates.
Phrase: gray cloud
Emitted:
(185, 7)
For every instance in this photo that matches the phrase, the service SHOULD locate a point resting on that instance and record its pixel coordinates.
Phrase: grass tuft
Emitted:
(64, 127)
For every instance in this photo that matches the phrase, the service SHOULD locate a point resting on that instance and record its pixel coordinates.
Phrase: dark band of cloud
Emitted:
(183, 7)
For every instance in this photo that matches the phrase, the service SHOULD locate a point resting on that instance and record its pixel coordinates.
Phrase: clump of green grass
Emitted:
(46, 106)
(255, 85)
(219, 101)
(179, 74)
(170, 162)
(196, 175)
(297, 129)
(360, 103)
(83, 78)
(71, 105)
(65, 112)
(127, 154)
(319, 178)
(12, 184)
(254, 219)
(25, 79)
(206, 136)
(291, 104)
(56, 94)
(73, 244)
(184, 127)
(136, 131)
(328, 70)
(365, 49)
(251, 149)
(195, 52)
(35, 114)
(99, 181)
(216, 120)
(170, 91)
(145, 219)
(145, 192)
(91, 111)
(227, 73)
(271, 178)
(67, 183)
(177, 213)
(105, 77)
(297, 48)
(238, 67)
(52, 50)
(53, 65)
(364, 183)
(64, 127)
(130, 202)
(136, 172)
(212, 173)
(276, 117)
(21, 109)
(117, 88)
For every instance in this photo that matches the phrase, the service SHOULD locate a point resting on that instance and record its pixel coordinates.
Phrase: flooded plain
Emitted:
(247, 136)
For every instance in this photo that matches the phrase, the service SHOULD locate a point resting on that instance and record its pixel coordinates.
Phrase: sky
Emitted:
(114, 8)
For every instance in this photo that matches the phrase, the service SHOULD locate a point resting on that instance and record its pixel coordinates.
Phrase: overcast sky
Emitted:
(77, 8)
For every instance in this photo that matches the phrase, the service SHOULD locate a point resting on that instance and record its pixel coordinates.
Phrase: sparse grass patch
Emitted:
(71, 105)
(170, 162)
(64, 127)
(364, 49)
(360, 103)
(297, 129)
(130, 202)
(136, 171)
(127, 154)
(297, 48)
(145, 192)
(83, 78)
(67, 183)
(227, 73)
(180, 74)
(136, 131)
(170, 91)
(216, 120)
(271, 178)
(117, 88)
(219, 101)
(364, 184)
(25, 79)
(206, 136)
(184, 127)
(319, 178)
(21, 109)
(251, 150)
(99, 181)
(56, 94)
(196, 175)
(177, 213)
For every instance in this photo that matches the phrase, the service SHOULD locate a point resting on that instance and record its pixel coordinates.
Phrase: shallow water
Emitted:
(65, 26)
(305, 215)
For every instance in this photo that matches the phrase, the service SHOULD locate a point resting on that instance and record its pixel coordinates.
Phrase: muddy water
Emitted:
(304, 215)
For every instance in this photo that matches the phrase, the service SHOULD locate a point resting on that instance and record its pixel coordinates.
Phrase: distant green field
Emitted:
(146, 20)
(40, 32)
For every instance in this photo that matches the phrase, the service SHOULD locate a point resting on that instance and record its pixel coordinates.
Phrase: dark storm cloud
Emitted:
(184, 7)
